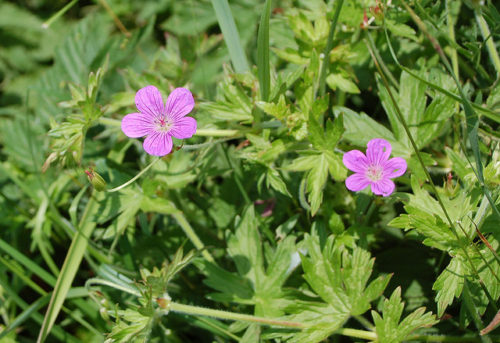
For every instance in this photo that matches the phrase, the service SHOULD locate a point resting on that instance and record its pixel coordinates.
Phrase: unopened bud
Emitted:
(164, 302)
(96, 180)
(104, 313)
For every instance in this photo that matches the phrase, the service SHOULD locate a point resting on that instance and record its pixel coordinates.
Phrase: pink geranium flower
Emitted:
(160, 122)
(374, 169)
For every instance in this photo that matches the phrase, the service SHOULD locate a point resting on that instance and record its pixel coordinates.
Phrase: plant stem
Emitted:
(328, 48)
(201, 311)
(188, 230)
(216, 133)
(58, 14)
(134, 178)
(368, 335)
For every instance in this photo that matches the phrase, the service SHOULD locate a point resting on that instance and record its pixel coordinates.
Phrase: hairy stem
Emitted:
(201, 311)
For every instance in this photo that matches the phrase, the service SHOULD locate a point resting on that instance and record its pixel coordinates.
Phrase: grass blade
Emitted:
(69, 269)
(28, 263)
(328, 48)
(263, 53)
(231, 36)
(25, 315)
(59, 333)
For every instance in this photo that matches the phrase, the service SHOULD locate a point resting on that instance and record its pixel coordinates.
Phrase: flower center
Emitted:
(163, 125)
(374, 173)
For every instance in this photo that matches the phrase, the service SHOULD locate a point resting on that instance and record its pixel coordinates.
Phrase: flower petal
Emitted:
(179, 103)
(135, 125)
(383, 187)
(158, 144)
(395, 167)
(378, 151)
(184, 128)
(356, 182)
(356, 161)
(149, 101)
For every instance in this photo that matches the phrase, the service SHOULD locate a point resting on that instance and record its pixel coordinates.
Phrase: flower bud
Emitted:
(164, 302)
(96, 180)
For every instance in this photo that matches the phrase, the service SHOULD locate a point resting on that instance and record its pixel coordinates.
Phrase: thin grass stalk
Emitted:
(328, 48)
(231, 36)
(419, 157)
(263, 69)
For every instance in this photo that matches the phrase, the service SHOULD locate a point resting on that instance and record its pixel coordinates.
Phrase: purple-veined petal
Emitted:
(356, 182)
(149, 101)
(135, 125)
(158, 144)
(395, 167)
(179, 103)
(184, 128)
(378, 151)
(383, 187)
(355, 160)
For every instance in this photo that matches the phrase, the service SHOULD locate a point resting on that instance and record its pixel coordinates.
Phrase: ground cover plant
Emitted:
(249, 171)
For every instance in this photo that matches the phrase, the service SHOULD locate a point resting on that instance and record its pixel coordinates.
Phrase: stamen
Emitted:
(374, 173)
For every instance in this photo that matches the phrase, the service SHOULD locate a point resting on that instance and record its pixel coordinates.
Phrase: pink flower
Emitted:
(374, 169)
(158, 121)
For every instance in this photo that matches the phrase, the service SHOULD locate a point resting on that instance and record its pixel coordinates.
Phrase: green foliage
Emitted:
(341, 279)
(388, 326)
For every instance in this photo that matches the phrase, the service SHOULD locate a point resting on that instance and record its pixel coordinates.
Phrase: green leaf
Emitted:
(449, 284)
(389, 328)
(274, 179)
(340, 279)
(278, 110)
(355, 123)
(344, 84)
(318, 167)
(231, 37)
(400, 29)
(245, 248)
(316, 180)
